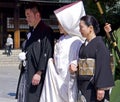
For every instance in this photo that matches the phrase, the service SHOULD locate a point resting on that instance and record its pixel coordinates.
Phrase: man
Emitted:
(9, 44)
(112, 47)
(38, 49)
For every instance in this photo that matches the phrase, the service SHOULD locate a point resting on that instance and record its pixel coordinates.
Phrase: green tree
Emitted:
(111, 9)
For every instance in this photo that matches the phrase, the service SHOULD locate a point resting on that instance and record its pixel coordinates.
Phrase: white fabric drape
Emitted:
(60, 85)
(69, 17)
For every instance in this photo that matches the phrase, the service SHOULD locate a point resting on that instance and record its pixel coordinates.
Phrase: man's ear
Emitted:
(38, 14)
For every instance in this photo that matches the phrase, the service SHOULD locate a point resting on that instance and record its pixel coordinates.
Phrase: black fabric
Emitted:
(39, 48)
(103, 78)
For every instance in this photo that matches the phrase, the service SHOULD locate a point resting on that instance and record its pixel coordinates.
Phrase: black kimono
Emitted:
(38, 48)
(102, 78)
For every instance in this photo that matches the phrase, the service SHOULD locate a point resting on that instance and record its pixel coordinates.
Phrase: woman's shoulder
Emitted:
(100, 42)
(99, 39)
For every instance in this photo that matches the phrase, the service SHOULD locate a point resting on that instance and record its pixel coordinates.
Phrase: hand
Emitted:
(36, 78)
(72, 68)
(100, 94)
(12, 46)
(107, 27)
(52, 60)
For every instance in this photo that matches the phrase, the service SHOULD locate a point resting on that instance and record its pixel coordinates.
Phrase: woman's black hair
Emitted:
(91, 21)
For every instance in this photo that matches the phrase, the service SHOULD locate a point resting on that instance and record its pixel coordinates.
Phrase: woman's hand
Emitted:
(100, 94)
(72, 68)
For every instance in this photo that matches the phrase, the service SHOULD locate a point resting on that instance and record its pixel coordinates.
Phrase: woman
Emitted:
(95, 76)
(60, 82)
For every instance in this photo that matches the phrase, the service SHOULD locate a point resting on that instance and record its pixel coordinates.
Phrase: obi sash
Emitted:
(86, 66)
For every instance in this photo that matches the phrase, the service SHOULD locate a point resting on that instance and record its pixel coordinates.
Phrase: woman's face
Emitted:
(62, 31)
(84, 29)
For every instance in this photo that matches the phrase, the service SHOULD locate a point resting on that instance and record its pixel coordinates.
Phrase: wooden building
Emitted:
(12, 18)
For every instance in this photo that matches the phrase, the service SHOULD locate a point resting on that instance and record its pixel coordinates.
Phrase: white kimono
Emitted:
(60, 85)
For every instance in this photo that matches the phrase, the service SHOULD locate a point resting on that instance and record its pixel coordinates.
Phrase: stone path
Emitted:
(8, 83)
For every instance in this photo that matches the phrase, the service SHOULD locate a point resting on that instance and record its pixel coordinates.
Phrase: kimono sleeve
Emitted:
(46, 53)
(42, 51)
(74, 51)
(103, 73)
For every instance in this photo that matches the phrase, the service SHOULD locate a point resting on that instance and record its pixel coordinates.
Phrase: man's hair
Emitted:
(34, 7)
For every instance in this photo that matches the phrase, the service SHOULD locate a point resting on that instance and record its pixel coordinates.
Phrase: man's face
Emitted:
(30, 17)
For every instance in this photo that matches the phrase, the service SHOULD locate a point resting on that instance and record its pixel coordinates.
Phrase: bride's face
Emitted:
(62, 31)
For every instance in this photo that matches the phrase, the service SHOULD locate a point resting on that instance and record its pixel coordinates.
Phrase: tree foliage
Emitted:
(111, 10)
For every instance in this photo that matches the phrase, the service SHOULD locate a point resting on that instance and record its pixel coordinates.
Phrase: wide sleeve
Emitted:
(103, 74)
(46, 52)
(74, 51)
(42, 51)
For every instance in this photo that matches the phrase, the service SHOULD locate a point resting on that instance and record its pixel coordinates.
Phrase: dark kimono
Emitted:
(39, 48)
(102, 78)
